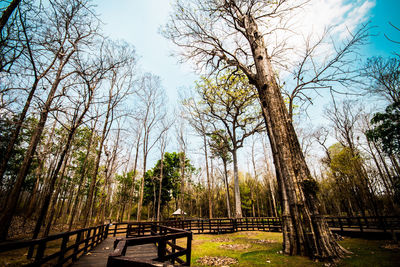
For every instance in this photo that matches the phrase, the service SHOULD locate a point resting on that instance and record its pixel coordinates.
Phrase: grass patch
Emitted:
(267, 253)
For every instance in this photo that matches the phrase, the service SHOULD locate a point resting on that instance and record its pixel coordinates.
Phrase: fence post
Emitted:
(107, 228)
(76, 248)
(340, 224)
(115, 229)
(359, 223)
(40, 252)
(63, 247)
(189, 249)
(87, 239)
(161, 250)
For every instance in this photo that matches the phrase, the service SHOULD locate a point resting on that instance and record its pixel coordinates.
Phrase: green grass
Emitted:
(365, 252)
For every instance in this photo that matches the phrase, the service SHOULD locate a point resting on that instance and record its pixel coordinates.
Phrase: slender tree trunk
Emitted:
(395, 164)
(53, 179)
(210, 209)
(134, 176)
(182, 195)
(12, 200)
(55, 197)
(139, 212)
(90, 201)
(160, 186)
(238, 202)
(228, 205)
(82, 178)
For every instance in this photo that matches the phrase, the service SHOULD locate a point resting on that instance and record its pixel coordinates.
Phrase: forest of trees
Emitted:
(87, 137)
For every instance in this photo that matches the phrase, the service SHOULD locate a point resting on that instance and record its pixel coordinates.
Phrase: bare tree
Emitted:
(163, 144)
(120, 86)
(214, 33)
(151, 97)
(70, 39)
(198, 122)
(344, 118)
(7, 13)
(228, 103)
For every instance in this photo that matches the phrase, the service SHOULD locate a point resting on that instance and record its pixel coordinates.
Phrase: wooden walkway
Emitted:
(99, 255)
(92, 246)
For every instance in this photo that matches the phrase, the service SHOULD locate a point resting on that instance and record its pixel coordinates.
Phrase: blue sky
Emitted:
(385, 11)
(138, 22)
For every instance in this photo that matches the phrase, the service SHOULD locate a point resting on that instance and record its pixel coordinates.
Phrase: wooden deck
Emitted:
(99, 255)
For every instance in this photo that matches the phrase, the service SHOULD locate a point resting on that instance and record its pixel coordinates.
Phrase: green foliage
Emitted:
(171, 179)
(7, 127)
(230, 102)
(218, 146)
(341, 160)
(125, 183)
(245, 197)
(386, 129)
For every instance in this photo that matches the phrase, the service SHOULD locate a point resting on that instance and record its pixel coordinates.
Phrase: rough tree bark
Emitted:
(305, 232)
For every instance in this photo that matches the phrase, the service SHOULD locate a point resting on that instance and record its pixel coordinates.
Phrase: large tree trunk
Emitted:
(305, 231)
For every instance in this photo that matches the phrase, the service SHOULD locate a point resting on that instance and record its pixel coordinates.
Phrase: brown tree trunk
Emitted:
(210, 209)
(238, 202)
(305, 231)
(55, 197)
(160, 185)
(90, 201)
(12, 200)
(134, 176)
(81, 179)
(139, 211)
(227, 197)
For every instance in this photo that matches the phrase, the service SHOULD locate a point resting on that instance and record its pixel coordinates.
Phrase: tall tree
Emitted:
(199, 123)
(230, 32)
(228, 103)
(220, 149)
(151, 96)
(119, 86)
(61, 17)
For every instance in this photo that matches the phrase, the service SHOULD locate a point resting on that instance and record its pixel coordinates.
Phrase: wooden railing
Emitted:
(58, 249)
(147, 233)
(383, 223)
(66, 248)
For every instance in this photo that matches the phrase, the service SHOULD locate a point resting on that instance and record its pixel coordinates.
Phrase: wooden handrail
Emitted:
(88, 238)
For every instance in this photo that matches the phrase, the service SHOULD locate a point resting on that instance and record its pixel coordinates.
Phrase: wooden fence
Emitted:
(147, 233)
(60, 248)
(67, 247)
